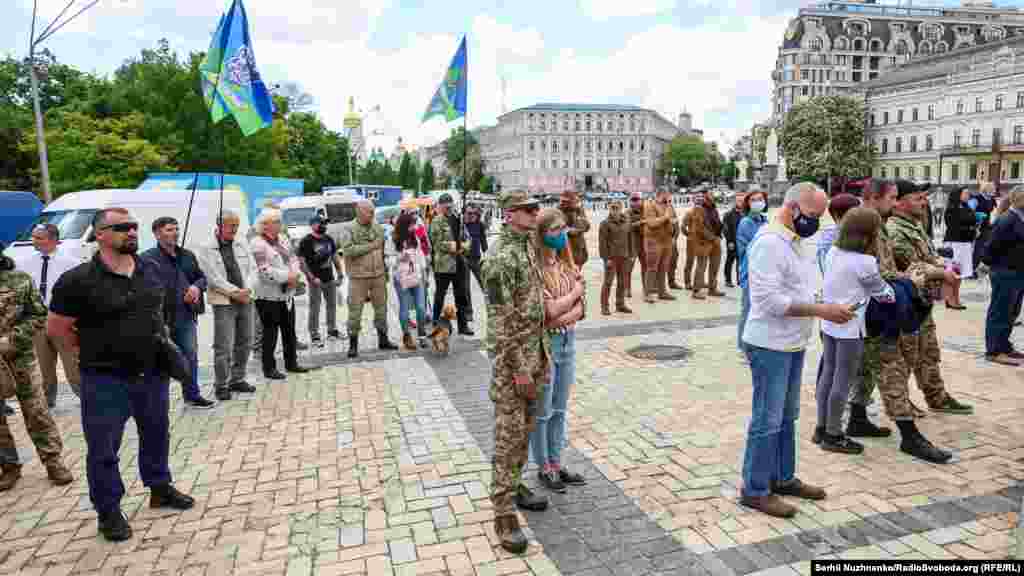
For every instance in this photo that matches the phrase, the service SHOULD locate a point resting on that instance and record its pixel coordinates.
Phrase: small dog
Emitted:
(442, 330)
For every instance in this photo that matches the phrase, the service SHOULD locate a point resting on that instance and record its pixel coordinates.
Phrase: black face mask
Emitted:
(805, 226)
(320, 228)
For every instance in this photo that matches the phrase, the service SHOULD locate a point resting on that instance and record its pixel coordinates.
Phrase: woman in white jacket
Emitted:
(409, 279)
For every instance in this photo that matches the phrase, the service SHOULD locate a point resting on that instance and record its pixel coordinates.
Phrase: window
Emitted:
(631, 145)
(599, 125)
(913, 115)
(543, 145)
(816, 44)
(588, 125)
(565, 164)
(896, 172)
(543, 163)
(885, 145)
(600, 146)
(840, 44)
(931, 33)
(554, 146)
(872, 118)
(899, 116)
(621, 145)
(533, 146)
(976, 137)
(576, 163)
(643, 163)
(543, 122)
(977, 104)
(913, 143)
(632, 125)
(588, 164)
(643, 145)
(1018, 134)
(876, 45)
(972, 171)
(899, 144)
(1015, 170)
(925, 48)
(910, 172)
(931, 112)
(956, 139)
(1020, 99)
(577, 125)
(858, 44)
(997, 136)
(929, 143)
(883, 173)
(999, 101)
(885, 117)
(954, 172)
(959, 106)
(804, 75)
(610, 126)
(941, 47)
(590, 146)
(804, 90)
(901, 48)
(927, 170)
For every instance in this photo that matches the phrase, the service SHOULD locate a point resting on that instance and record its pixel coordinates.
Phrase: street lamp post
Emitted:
(33, 43)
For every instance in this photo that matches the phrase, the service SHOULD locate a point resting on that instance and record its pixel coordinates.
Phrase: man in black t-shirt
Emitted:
(110, 309)
(318, 256)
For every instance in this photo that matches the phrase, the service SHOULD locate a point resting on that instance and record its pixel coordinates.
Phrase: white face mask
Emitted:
(757, 206)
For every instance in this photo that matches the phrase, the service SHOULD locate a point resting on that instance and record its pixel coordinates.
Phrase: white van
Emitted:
(339, 207)
(72, 213)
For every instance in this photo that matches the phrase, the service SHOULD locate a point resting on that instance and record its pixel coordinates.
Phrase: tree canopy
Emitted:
(824, 136)
(693, 160)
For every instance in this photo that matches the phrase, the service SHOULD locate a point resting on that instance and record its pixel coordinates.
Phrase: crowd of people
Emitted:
(119, 321)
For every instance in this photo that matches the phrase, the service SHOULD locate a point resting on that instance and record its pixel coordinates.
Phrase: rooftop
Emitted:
(568, 107)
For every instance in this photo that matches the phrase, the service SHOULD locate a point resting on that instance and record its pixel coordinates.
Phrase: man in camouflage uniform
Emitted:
(449, 263)
(22, 315)
(577, 226)
(515, 299)
(367, 276)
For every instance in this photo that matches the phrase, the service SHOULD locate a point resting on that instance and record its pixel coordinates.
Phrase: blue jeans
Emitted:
(1006, 290)
(411, 298)
(184, 335)
(770, 454)
(108, 400)
(744, 312)
(548, 436)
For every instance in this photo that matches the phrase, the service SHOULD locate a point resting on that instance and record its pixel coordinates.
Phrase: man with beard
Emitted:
(613, 238)
(111, 310)
(578, 226)
(636, 243)
(705, 235)
(659, 217)
(449, 263)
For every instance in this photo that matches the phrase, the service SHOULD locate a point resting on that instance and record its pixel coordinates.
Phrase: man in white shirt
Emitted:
(45, 266)
(782, 283)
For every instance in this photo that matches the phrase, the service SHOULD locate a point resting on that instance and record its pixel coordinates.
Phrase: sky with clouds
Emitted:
(711, 58)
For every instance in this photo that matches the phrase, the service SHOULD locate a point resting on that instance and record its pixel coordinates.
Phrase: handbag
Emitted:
(172, 361)
(408, 274)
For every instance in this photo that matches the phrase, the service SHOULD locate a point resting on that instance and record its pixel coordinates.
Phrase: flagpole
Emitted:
(191, 201)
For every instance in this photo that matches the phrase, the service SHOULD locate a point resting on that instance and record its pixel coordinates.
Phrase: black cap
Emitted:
(445, 198)
(317, 219)
(906, 188)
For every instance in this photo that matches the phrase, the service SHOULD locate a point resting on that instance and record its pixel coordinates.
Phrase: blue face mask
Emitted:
(805, 226)
(757, 206)
(972, 203)
(556, 241)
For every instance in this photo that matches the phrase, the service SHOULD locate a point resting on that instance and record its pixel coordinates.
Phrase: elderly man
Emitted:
(111, 307)
(659, 216)
(782, 286)
(448, 253)
(46, 265)
(230, 276)
(367, 276)
(184, 284)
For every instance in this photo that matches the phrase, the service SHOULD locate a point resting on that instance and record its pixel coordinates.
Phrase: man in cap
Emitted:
(318, 257)
(448, 253)
(636, 244)
(22, 316)
(515, 297)
(659, 217)
(367, 275)
(577, 226)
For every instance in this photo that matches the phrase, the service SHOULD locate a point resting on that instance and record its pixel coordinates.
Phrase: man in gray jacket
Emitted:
(229, 270)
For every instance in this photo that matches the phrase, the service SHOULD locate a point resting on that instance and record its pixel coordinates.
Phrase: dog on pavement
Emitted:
(442, 330)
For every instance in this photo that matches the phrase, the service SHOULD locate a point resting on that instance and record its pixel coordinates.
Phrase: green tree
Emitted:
(461, 143)
(689, 157)
(728, 172)
(408, 175)
(824, 136)
(486, 185)
(427, 176)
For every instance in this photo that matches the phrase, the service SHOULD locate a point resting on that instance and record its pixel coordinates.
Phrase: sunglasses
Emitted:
(122, 227)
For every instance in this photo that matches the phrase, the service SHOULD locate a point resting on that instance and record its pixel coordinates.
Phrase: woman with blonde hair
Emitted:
(563, 307)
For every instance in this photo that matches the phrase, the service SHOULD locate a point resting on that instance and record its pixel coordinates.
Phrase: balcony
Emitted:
(968, 149)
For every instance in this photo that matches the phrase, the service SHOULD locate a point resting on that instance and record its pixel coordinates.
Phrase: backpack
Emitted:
(409, 269)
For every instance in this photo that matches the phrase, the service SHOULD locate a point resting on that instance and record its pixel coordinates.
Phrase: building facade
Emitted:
(547, 148)
(838, 44)
(952, 118)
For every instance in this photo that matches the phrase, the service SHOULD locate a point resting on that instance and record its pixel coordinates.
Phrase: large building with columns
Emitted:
(954, 118)
(547, 148)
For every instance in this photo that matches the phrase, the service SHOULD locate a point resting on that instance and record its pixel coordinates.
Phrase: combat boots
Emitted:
(12, 473)
(511, 535)
(860, 427)
(353, 346)
(915, 444)
(58, 473)
(382, 341)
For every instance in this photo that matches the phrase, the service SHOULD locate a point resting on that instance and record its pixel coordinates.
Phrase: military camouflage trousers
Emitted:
(916, 354)
(513, 421)
(41, 427)
(871, 373)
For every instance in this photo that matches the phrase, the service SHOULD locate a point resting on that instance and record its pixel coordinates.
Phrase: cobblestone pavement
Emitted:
(383, 466)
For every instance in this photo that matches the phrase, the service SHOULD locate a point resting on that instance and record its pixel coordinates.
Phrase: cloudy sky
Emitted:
(711, 58)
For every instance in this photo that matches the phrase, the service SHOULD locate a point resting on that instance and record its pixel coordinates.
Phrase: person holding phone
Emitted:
(851, 277)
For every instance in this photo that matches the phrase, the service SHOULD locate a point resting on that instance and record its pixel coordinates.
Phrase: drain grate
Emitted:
(659, 353)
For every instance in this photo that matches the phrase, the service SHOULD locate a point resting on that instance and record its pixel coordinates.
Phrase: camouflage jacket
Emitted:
(363, 258)
(913, 253)
(22, 314)
(576, 219)
(515, 299)
(440, 235)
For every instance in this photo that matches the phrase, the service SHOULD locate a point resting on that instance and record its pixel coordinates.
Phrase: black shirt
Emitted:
(118, 317)
(227, 253)
(318, 254)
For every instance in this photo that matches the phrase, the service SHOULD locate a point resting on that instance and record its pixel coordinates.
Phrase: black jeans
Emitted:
(276, 316)
(730, 260)
(458, 283)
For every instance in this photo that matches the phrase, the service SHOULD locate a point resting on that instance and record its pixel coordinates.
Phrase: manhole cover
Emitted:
(659, 353)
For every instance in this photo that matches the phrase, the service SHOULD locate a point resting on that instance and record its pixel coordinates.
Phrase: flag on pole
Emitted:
(231, 83)
(450, 98)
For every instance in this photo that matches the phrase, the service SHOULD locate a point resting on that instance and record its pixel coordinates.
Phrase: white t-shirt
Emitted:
(851, 277)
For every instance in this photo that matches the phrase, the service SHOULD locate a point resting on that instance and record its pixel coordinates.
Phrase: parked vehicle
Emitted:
(18, 211)
(338, 207)
(256, 191)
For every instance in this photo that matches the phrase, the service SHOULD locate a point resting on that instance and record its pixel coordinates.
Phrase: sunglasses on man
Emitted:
(122, 227)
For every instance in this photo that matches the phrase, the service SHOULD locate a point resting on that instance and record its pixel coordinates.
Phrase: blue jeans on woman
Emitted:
(1007, 286)
(548, 436)
(770, 455)
(411, 298)
(744, 312)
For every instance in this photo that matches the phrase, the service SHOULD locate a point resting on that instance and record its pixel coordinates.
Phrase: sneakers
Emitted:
(1003, 359)
(951, 406)
(200, 403)
(840, 444)
(511, 535)
(58, 473)
(771, 505)
(167, 496)
(920, 447)
(550, 480)
(858, 428)
(243, 387)
(571, 478)
(333, 335)
(222, 394)
(114, 526)
(527, 500)
(797, 488)
(12, 473)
